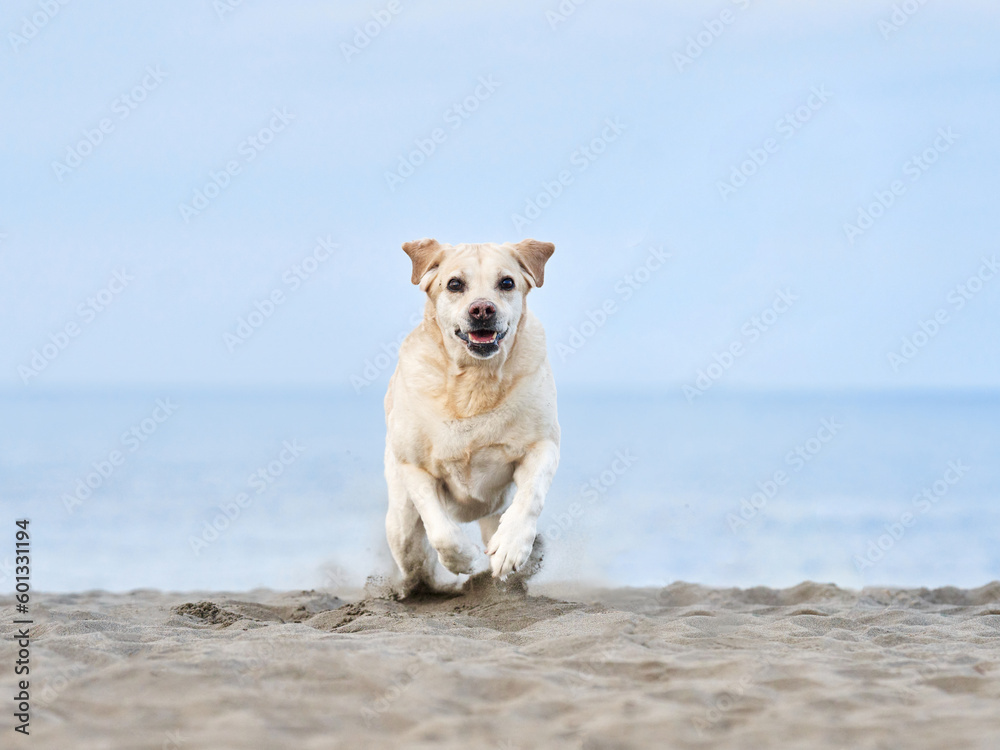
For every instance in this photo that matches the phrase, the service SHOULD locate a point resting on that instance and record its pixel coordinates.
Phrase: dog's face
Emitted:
(478, 291)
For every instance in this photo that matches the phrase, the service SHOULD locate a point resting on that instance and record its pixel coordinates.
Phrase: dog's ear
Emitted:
(425, 254)
(532, 255)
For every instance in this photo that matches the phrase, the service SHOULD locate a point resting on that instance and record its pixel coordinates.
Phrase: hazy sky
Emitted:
(735, 138)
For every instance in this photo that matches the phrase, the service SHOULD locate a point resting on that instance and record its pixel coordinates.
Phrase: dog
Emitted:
(472, 432)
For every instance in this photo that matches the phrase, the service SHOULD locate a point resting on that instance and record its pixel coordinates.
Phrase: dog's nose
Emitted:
(482, 309)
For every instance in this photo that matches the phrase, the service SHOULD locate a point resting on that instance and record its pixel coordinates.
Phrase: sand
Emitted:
(813, 666)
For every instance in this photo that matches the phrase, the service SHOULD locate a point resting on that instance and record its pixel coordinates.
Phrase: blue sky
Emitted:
(824, 106)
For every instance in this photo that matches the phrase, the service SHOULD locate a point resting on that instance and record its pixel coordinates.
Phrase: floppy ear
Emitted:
(425, 254)
(532, 254)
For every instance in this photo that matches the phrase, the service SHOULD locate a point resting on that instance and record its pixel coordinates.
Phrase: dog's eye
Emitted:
(507, 283)
(455, 285)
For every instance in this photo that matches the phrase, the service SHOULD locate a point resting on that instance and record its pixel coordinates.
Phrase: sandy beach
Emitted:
(813, 666)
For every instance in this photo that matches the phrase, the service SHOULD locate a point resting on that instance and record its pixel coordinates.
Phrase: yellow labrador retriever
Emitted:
(472, 433)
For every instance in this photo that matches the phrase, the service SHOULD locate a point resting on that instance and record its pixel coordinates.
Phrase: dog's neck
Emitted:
(469, 387)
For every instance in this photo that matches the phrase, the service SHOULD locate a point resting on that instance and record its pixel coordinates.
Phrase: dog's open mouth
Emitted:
(481, 340)
(482, 337)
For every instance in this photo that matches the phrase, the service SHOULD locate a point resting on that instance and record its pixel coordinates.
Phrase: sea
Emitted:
(206, 489)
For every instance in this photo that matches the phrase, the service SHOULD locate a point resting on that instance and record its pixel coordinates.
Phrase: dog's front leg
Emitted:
(456, 551)
(511, 545)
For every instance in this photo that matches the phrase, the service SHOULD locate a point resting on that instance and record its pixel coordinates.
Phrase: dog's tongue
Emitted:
(482, 337)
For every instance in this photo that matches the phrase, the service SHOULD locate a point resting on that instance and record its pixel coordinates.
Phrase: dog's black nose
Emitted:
(482, 309)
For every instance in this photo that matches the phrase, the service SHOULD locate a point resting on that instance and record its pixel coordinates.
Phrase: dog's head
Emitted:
(478, 291)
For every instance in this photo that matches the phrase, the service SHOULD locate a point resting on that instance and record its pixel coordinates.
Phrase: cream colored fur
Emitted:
(470, 436)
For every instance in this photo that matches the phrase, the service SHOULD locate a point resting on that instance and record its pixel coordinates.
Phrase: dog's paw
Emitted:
(511, 545)
(459, 555)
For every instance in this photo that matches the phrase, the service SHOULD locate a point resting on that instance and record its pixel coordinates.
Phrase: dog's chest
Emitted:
(476, 457)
